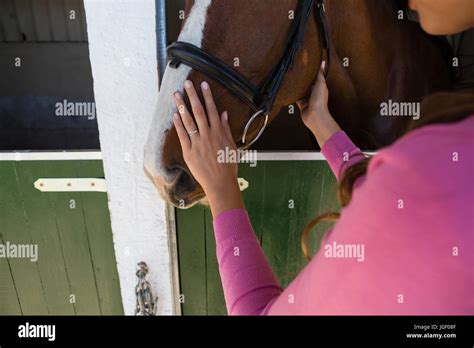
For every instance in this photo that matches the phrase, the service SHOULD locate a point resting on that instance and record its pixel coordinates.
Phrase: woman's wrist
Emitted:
(224, 198)
(324, 127)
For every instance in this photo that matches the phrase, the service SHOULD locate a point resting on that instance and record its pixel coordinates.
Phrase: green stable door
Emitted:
(282, 197)
(75, 272)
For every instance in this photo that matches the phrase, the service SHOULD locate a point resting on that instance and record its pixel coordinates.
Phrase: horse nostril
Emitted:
(174, 171)
(180, 182)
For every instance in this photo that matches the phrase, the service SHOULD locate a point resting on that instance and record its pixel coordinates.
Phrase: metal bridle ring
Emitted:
(249, 123)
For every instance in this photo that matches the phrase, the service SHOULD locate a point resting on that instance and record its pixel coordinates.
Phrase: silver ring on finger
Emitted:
(193, 132)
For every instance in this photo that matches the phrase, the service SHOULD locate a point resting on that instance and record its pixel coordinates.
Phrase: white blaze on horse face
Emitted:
(173, 80)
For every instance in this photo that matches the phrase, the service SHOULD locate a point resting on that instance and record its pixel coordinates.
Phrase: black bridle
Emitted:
(259, 99)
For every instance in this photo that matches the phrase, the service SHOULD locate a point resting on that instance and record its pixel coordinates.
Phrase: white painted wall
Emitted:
(124, 67)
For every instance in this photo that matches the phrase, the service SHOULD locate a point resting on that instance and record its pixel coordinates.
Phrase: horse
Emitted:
(376, 57)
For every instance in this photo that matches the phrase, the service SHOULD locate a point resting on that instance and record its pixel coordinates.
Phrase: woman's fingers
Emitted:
(226, 126)
(302, 104)
(319, 94)
(320, 79)
(211, 108)
(186, 117)
(321, 72)
(198, 110)
(182, 133)
(187, 122)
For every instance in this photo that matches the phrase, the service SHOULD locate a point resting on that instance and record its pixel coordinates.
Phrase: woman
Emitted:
(408, 211)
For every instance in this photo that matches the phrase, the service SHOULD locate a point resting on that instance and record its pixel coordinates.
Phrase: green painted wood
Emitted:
(76, 251)
(44, 232)
(254, 196)
(305, 199)
(14, 229)
(281, 199)
(9, 303)
(215, 293)
(315, 193)
(328, 203)
(278, 214)
(74, 241)
(99, 232)
(192, 239)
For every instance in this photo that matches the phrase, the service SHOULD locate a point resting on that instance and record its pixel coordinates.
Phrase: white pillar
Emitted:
(122, 47)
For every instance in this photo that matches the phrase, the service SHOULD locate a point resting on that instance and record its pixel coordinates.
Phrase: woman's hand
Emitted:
(202, 139)
(315, 112)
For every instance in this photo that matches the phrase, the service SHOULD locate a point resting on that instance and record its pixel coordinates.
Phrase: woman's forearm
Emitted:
(247, 279)
(226, 198)
(315, 113)
(324, 127)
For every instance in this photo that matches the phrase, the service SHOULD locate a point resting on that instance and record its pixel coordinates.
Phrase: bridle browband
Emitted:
(259, 99)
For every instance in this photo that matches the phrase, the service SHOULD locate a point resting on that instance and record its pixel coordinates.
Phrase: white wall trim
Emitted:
(97, 155)
(50, 156)
(122, 46)
(173, 247)
(290, 156)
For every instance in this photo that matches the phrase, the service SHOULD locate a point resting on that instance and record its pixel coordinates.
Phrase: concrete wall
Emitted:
(122, 49)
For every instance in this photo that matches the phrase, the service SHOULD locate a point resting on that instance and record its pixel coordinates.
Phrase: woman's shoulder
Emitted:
(439, 133)
(437, 154)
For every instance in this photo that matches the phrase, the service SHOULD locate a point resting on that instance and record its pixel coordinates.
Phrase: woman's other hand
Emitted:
(315, 113)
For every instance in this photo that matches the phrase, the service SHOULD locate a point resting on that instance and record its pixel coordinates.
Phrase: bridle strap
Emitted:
(272, 85)
(260, 99)
(199, 60)
(320, 14)
(256, 98)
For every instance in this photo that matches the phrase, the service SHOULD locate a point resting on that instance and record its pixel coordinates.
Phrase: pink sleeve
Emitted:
(248, 281)
(247, 278)
(403, 245)
(341, 153)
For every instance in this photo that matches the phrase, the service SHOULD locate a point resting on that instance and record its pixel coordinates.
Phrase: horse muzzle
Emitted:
(177, 186)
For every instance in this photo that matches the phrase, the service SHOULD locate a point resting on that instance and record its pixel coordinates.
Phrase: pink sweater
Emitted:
(404, 245)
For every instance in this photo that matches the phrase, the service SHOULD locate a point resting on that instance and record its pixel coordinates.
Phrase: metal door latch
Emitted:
(146, 302)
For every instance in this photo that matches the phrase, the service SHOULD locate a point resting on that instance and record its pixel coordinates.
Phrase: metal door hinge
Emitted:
(71, 185)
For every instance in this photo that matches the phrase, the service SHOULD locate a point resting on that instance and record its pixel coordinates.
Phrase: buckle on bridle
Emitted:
(249, 123)
(321, 6)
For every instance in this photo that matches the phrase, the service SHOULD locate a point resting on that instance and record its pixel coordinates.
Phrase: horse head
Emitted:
(372, 62)
(249, 36)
